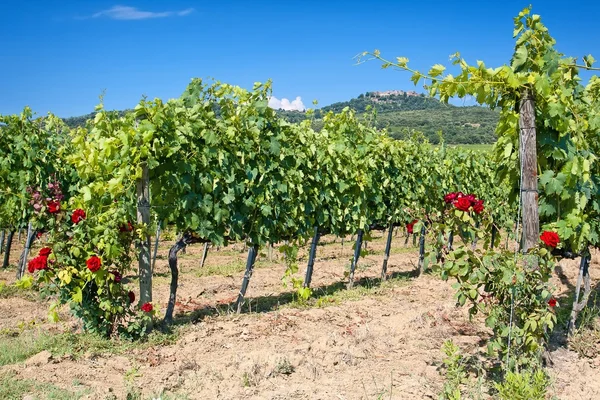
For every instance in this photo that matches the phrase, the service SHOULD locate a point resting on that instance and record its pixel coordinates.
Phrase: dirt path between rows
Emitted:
(382, 343)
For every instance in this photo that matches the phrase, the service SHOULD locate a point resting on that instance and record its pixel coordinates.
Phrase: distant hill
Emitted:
(401, 113)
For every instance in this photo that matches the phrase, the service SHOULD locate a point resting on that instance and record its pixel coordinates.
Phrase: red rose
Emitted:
(131, 296)
(147, 307)
(478, 206)
(550, 238)
(53, 206)
(126, 228)
(462, 204)
(410, 227)
(45, 252)
(38, 263)
(117, 275)
(552, 302)
(78, 216)
(39, 234)
(450, 197)
(31, 267)
(471, 198)
(94, 263)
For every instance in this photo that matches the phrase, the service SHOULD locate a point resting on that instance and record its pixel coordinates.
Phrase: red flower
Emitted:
(462, 204)
(147, 307)
(126, 228)
(78, 216)
(39, 234)
(117, 275)
(471, 198)
(131, 296)
(94, 263)
(410, 227)
(450, 197)
(478, 206)
(552, 302)
(53, 206)
(38, 263)
(31, 267)
(550, 238)
(45, 252)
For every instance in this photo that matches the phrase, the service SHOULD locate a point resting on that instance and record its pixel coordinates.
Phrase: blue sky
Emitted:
(59, 56)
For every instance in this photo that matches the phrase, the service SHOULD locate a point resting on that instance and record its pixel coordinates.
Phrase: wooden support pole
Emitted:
(155, 247)
(422, 250)
(252, 252)
(529, 180)
(204, 254)
(584, 275)
(25, 254)
(2, 233)
(386, 256)
(311, 258)
(9, 240)
(143, 219)
(357, 248)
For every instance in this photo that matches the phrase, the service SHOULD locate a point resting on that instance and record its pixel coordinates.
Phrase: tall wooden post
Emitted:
(9, 240)
(1, 241)
(25, 253)
(143, 219)
(529, 181)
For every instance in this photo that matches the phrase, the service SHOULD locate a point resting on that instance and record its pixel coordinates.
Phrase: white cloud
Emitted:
(285, 104)
(132, 13)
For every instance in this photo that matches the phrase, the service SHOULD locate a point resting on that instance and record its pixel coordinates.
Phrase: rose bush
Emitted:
(82, 246)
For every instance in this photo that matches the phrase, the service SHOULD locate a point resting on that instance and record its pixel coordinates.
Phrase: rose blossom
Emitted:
(550, 238)
(462, 204)
(147, 307)
(94, 263)
(45, 252)
(78, 216)
(53, 206)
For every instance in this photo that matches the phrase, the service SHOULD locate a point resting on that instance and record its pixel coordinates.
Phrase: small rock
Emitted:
(41, 358)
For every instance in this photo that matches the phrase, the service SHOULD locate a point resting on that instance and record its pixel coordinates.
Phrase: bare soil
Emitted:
(359, 344)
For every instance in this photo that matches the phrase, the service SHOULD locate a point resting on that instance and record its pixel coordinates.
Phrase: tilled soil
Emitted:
(364, 344)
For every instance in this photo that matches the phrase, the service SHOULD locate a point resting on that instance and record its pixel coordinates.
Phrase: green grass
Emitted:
(231, 269)
(13, 388)
(15, 349)
(474, 147)
(337, 293)
(8, 291)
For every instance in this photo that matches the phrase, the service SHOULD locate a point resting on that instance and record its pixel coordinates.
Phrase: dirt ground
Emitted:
(381, 343)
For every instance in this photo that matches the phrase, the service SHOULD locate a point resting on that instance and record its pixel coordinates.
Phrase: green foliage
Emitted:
(456, 374)
(567, 124)
(524, 385)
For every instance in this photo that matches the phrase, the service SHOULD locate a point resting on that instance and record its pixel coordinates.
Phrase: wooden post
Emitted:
(422, 249)
(584, 275)
(9, 240)
(2, 233)
(155, 247)
(357, 247)
(529, 181)
(252, 252)
(25, 254)
(204, 254)
(493, 236)
(311, 258)
(143, 219)
(386, 256)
